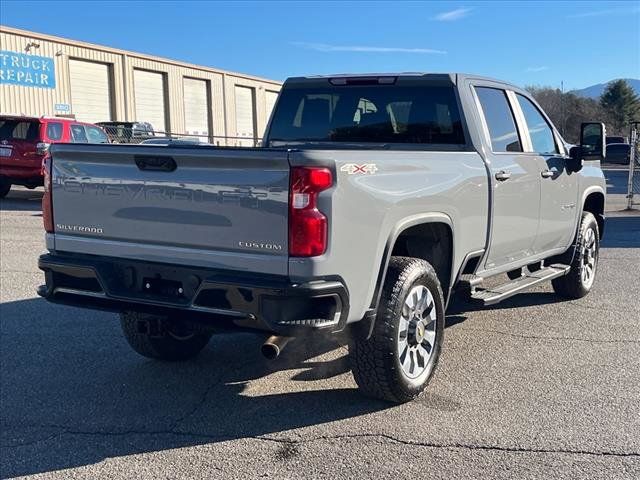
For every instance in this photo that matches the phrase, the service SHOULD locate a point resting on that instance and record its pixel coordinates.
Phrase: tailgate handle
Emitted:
(155, 163)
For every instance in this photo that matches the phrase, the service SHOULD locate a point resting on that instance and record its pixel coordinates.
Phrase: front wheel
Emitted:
(579, 281)
(161, 337)
(399, 358)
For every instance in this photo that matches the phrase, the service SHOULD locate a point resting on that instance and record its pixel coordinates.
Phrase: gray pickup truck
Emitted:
(372, 199)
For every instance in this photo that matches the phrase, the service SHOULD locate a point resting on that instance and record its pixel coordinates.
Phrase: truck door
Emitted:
(559, 187)
(515, 177)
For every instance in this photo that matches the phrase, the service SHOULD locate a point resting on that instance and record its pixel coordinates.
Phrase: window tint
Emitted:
(19, 130)
(368, 113)
(54, 131)
(540, 132)
(499, 118)
(96, 135)
(78, 134)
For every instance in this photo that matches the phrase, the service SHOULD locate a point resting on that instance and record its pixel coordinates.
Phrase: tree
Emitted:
(621, 104)
(567, 111)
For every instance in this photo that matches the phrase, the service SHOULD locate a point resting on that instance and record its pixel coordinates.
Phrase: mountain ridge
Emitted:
(594, 91)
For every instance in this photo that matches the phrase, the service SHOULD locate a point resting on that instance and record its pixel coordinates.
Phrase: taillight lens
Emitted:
(42, 148)
(47, 203)
(307, 225)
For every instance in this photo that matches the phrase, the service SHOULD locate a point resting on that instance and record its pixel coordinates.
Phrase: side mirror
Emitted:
(574, 162)
(593, 145)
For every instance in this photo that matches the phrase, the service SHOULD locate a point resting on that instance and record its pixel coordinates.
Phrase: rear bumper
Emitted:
(22, 175)
(221, 299)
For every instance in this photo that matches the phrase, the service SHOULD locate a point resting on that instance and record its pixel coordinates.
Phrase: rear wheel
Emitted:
(399, 358)
(161, 337)
(5, 187)
(579, 281)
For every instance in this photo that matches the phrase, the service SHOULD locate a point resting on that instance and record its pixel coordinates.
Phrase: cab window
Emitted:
(500, 121)
(96, 135)
(78, 134)
(540, 131)
(54, 130)
(391, 114)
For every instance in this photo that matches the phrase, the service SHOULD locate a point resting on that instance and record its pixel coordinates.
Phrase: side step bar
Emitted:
(492, 295)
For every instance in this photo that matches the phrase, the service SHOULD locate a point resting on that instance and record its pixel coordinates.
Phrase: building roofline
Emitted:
(118, 51)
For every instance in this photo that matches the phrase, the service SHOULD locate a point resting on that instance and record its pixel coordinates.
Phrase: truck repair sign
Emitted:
(27, 70)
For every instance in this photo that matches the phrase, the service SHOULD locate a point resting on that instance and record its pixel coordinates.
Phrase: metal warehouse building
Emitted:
(45, 75)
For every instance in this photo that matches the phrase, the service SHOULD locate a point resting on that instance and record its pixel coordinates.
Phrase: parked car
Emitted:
(616, 139)
(373, 199)
(24, 142)
(128, 132)
(619, 153)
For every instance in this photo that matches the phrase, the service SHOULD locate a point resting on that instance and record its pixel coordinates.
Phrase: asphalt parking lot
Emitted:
(535, 388)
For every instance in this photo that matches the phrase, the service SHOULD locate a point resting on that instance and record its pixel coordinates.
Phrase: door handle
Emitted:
(501, 176)
(549, 173)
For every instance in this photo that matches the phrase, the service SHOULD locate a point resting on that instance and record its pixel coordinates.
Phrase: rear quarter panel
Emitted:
(366, 210)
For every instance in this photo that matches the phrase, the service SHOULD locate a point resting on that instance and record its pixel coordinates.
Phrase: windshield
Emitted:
(377, 113)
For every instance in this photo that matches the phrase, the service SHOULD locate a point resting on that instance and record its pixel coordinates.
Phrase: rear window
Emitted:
(19, 130)
(377, 113)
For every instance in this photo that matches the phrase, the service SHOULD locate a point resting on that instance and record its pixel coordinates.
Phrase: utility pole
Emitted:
(562, 120)
(633, 143)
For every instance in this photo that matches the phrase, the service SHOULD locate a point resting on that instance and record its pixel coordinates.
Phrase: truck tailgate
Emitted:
(206, 206)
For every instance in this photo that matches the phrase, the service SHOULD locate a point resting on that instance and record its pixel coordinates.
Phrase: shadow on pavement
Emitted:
(22, 200)
(69, 379)
(622, 231)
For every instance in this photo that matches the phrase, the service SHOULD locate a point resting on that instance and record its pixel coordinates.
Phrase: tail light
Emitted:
(307, 225)
(42, 148)
(47, 202)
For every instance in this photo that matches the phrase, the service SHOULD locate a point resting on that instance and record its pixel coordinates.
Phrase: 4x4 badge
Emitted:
(354, 168)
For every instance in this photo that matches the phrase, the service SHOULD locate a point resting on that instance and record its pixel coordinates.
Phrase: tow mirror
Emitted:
(592, 145)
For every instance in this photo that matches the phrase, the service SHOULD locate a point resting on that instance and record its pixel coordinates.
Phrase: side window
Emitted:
(77, 134)
(54, 131)
(499, 119)
(96, 135)
(539, 130)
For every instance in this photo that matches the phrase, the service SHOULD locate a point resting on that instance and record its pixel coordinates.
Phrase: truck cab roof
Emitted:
(454, 77)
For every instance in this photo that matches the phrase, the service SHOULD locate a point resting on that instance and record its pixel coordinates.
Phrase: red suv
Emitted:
(24, 142)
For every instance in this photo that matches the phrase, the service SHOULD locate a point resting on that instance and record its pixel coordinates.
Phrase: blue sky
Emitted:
(528, 43)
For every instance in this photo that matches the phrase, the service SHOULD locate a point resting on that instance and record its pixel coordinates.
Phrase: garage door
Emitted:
(90, 91)
(149, 92)
(245, 116)
(196, 107)
(270, 100)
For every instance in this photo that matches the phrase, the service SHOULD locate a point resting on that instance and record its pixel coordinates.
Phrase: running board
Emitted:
(492, 295)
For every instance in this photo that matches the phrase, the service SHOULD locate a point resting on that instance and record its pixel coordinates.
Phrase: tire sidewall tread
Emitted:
(375, 363)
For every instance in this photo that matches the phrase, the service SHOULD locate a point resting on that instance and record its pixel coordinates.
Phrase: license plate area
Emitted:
(6, 151)
(158, 286)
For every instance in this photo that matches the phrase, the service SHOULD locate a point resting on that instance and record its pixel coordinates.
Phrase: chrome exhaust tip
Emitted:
(273, 346)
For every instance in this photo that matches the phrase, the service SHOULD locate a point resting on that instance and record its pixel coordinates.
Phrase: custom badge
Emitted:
(362, 169)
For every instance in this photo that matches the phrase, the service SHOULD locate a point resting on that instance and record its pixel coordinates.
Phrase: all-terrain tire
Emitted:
(5, 187)
(375, 362)
(166, 339)
(577, 283)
